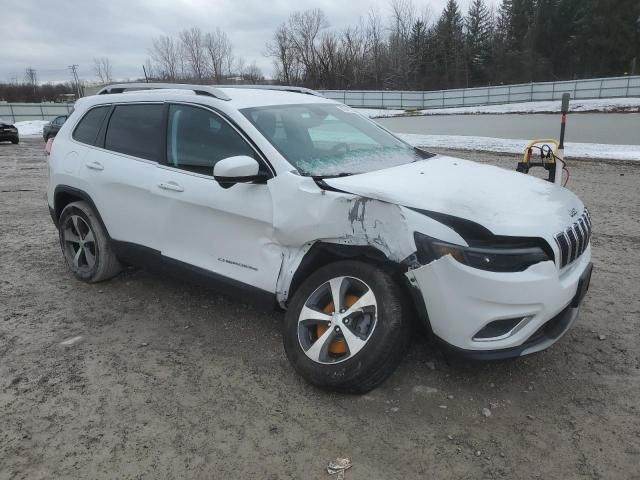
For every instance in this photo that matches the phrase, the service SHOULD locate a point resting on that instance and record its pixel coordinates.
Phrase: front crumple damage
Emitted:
(333, 217)
(381, 225)
(505, 202)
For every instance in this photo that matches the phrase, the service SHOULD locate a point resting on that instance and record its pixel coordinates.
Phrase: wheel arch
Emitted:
(322, 253)
(63, 195)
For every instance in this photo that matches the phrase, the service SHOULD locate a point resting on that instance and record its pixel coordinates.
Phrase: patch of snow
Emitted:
(502, 145)
(30, 128)
(379, 112)
(594, 105)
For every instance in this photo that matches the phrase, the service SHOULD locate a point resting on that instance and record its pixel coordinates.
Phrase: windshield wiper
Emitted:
(335, 175)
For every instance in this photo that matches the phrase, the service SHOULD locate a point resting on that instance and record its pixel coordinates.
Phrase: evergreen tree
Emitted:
(418, 54)
(526, 40)
(479, 29)
(449, 45)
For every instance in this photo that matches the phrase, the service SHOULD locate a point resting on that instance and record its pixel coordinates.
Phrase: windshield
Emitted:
(329, 139)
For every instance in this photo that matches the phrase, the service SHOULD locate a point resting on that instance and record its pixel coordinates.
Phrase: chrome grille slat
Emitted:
(587, 226)
(580, 234)
(585, 235)
(574, 240)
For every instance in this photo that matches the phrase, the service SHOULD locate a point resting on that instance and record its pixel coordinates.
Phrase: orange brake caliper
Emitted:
(338, 346)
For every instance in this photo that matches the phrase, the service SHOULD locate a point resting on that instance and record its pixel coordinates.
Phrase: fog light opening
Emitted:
(500, 329)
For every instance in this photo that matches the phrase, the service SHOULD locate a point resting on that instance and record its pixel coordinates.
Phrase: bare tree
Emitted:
(285, 59)
(102, 68)
(377, 46)
(193, 44)
(252, 73)
(304, 29)
(402, 20)
(220, 53)
(355, 53)
(329, 60)
(150, 70)
(165, 55)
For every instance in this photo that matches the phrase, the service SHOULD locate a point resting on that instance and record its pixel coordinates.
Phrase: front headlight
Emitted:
(507, 258)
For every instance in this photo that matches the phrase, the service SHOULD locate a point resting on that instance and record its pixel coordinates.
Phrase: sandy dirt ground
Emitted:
(174, 381)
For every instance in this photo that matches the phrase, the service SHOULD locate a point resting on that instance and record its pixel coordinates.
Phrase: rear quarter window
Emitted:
(89, 126)
(137, 130)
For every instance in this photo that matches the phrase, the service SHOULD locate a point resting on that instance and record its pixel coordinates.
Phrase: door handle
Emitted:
(94, 166)
(173, 186)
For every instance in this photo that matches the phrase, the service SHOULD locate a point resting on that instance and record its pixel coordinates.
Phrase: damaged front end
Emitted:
(337, 219)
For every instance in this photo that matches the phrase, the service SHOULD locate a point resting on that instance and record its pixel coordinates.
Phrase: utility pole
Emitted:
(31, 76)
(74, 72)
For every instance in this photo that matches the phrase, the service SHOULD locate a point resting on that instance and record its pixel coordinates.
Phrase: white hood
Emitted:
(506, 202)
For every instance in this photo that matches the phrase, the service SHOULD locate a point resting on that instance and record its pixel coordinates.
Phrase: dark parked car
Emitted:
(8, 132)
(51, 129)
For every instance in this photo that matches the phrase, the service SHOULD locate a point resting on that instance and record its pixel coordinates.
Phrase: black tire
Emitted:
(96, 262)
(16, 141)
(384, 348)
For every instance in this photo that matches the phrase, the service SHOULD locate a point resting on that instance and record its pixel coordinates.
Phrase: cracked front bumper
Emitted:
(460, 301)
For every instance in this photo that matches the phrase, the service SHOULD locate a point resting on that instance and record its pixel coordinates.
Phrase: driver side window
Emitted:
(197, 139)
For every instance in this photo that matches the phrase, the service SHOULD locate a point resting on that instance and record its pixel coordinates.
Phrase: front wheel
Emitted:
(347, 327)
(85, 244)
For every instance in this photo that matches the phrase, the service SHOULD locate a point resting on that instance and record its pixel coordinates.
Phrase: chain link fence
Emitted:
(617, 87)
(17, 112)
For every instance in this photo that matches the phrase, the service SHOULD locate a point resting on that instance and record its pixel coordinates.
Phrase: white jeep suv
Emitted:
(307, 205)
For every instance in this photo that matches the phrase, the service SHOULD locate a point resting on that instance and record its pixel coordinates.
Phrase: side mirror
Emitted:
(239, 169)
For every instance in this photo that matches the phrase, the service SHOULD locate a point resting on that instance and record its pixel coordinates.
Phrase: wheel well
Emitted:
(63, 198)
(65, 195)
(322, 253)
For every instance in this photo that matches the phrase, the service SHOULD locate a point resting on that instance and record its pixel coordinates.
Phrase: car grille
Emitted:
(575, 239)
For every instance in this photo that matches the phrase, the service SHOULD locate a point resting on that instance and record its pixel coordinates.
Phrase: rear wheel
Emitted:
(15, 141)
(346, 328)
(85, 244)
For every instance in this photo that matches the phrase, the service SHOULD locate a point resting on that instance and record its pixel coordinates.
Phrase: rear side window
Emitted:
(136, 130)
(88, 128)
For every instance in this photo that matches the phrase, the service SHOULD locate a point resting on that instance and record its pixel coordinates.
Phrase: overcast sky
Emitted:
(49, 36)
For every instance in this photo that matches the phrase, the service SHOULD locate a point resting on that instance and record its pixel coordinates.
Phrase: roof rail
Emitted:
(283, 88)
(207, 90)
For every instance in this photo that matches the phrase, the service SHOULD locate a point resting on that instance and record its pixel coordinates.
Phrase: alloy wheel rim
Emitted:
(79, 243)
(332, 326)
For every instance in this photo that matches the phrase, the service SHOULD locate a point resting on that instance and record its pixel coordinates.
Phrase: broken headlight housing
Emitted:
(498, 258)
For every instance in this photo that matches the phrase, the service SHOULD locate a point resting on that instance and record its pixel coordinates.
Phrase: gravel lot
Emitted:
(174, 381)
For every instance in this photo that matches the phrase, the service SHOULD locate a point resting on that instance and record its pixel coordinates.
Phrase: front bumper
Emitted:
(461, 301)
(9, 136)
